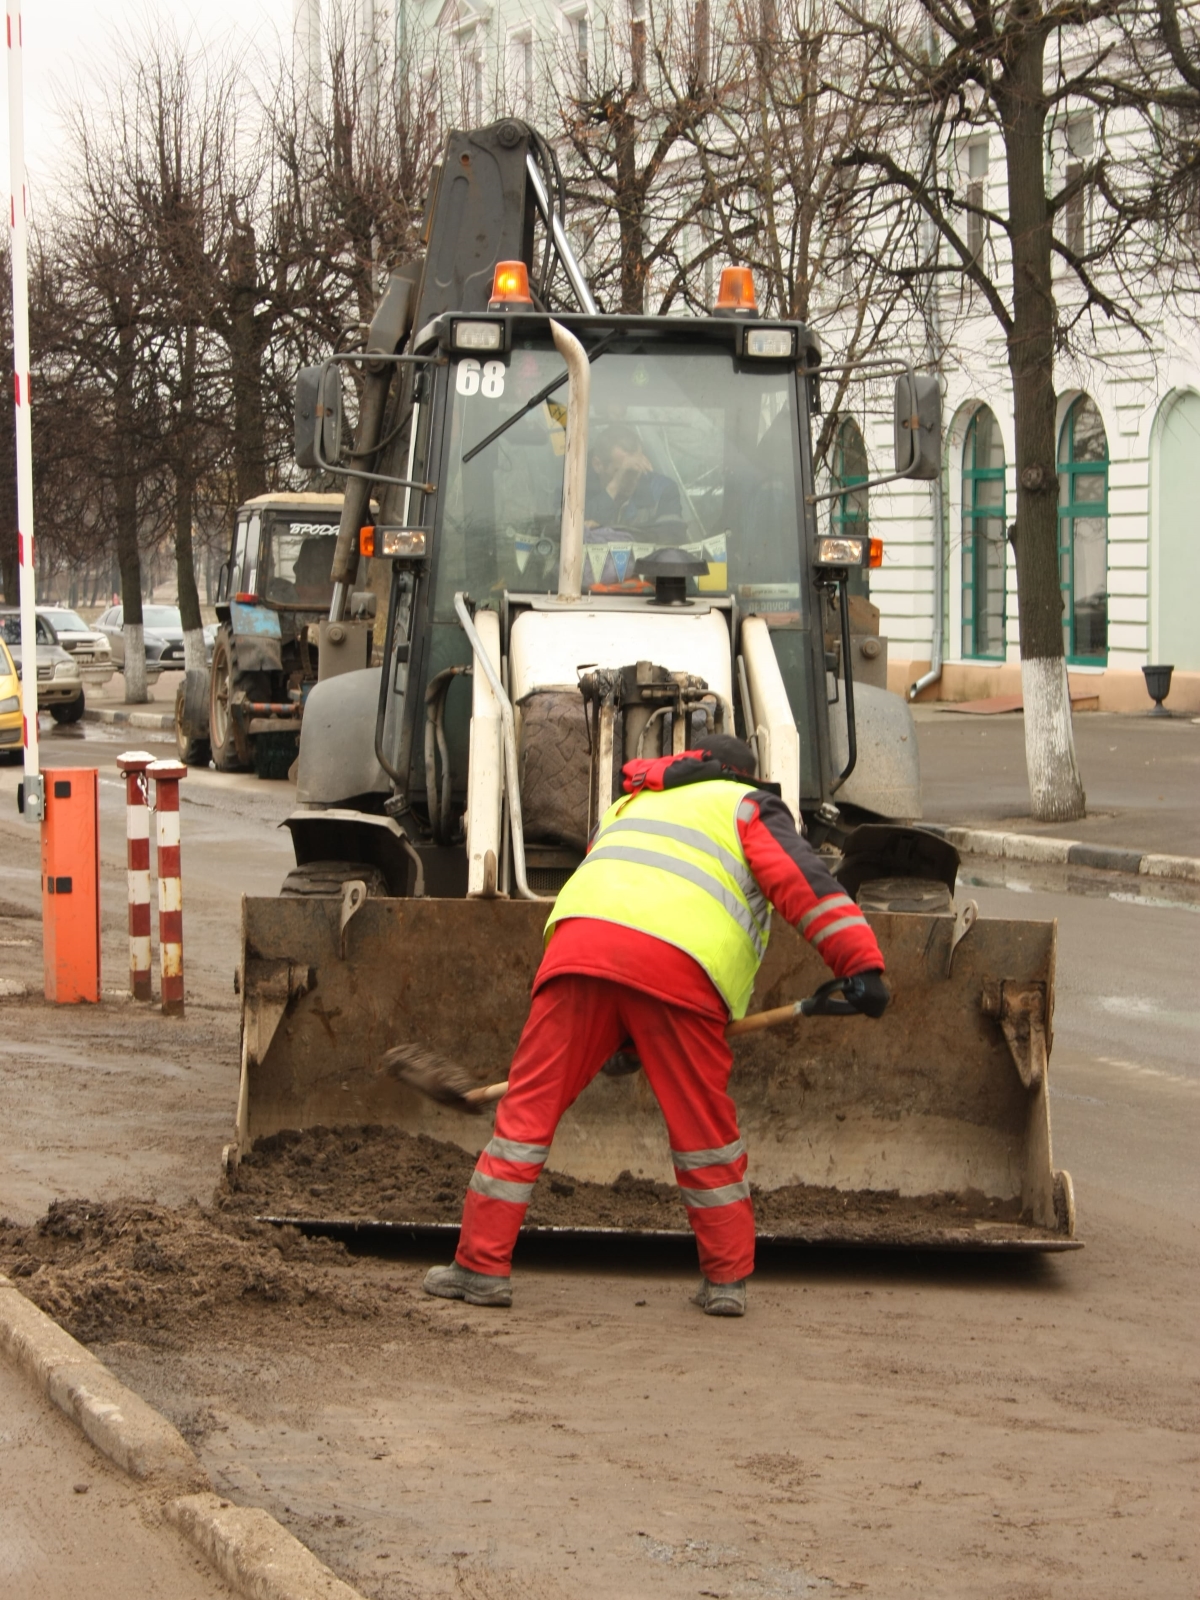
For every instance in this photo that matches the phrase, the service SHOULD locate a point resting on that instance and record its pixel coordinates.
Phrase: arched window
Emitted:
(1083, 533)
(984, 550)
(850, 508)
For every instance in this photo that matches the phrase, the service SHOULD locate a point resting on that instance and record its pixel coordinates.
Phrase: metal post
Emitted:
(33, 802)
(133, 763)
(561, 243)
(579, 389)
(167, 776)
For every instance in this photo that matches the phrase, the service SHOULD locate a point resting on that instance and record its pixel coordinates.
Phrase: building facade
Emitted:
(1128, 422)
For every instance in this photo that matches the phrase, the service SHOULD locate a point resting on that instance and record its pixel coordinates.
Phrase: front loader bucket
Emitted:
(929, 1127)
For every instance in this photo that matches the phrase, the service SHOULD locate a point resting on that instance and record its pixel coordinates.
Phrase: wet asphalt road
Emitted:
(230, 821)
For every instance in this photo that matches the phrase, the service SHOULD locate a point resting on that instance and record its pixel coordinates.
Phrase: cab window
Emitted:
(686, 449)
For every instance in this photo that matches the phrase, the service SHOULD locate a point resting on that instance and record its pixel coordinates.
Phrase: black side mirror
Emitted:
(917, 425)
(318, 417)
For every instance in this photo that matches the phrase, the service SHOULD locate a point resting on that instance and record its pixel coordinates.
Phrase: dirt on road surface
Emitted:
(880, 1423)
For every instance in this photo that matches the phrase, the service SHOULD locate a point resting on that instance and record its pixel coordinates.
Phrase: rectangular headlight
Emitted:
(771, 343)
(835, 550)
(399, 542)
(477, 335)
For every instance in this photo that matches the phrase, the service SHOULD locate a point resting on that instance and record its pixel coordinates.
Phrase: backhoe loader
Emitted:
(599, 537)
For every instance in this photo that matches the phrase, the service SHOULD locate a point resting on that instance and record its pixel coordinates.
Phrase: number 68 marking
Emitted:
(487, 380)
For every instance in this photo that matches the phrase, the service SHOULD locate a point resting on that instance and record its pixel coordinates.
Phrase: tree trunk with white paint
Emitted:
(194, 655)
(1055, 787)
(135, 664)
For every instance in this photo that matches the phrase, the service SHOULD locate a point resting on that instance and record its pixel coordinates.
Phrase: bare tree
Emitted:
(631, 107)
(1095, 106)
(109, 279)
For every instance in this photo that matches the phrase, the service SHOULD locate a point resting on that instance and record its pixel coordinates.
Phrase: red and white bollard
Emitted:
(133, 763)
(167, 775)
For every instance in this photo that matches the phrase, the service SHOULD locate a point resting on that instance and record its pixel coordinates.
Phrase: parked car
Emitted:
(162, 629)
(87, 645)
(60, 687)
(10, 706)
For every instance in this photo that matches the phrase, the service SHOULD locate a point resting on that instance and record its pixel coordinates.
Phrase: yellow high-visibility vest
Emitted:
(669, 862)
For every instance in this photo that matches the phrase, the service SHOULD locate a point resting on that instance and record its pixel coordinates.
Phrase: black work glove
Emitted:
(867, 993)
(624, 1062)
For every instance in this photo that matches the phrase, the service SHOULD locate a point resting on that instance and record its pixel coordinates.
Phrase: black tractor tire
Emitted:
(324, 879)
(232, 750)
(191, 746)
(67, 711)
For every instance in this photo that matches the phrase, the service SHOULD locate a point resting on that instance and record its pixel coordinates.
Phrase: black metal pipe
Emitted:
(848, 675)
(385, 676)
(435, 735)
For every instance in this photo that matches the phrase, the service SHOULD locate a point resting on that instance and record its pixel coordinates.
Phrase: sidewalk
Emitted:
(73, 1525)
(1141, 776)
(107, 703)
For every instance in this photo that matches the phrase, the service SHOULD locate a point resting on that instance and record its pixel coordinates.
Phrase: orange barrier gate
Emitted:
(71, 885)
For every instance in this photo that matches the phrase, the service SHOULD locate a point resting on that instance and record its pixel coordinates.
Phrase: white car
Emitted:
(59, 686)
(87, 647)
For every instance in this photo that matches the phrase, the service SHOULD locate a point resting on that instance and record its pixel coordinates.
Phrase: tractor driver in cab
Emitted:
(624, 490)
(311, 573)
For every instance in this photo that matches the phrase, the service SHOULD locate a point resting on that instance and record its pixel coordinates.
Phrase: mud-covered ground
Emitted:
(386, 1175)
(135, 1269)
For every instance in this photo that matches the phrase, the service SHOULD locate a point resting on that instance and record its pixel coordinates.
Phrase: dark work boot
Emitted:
(721, 1299)
(476, 1288)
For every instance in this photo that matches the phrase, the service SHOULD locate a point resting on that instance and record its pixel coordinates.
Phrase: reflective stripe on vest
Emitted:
(699, 893)
(735, 866)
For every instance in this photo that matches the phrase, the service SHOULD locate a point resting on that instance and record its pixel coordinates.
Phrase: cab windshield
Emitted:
(686, 450)
(297, 562)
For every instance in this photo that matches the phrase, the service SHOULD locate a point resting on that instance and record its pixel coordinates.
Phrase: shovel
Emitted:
(449, 1084)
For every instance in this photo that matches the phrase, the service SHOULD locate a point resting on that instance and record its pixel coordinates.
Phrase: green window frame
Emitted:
(1083, 534)
(984, 541)
(851, 511)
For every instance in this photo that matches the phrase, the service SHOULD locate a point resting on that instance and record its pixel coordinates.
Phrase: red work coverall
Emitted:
(600, 984)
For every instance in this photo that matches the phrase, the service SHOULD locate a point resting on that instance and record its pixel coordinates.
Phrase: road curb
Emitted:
(252, 1552)
(1035, 847)
(118, 1422)
(129, 719)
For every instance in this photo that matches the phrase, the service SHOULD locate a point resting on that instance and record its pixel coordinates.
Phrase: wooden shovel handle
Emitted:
(489, 1091)
(764, 1019)
(754, 1024)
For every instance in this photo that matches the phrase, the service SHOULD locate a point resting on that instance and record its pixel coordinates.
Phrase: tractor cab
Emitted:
(273, 639)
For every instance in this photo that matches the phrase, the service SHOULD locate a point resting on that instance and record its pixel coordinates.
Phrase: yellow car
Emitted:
(10, 704)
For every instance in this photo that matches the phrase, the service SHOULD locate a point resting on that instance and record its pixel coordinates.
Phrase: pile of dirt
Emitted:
(137, 1269)
(386, 1175)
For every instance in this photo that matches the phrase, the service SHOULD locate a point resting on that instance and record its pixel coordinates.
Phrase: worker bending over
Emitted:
(657, 938)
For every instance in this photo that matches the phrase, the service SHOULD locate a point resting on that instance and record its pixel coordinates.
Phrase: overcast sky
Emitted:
(69, 42)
